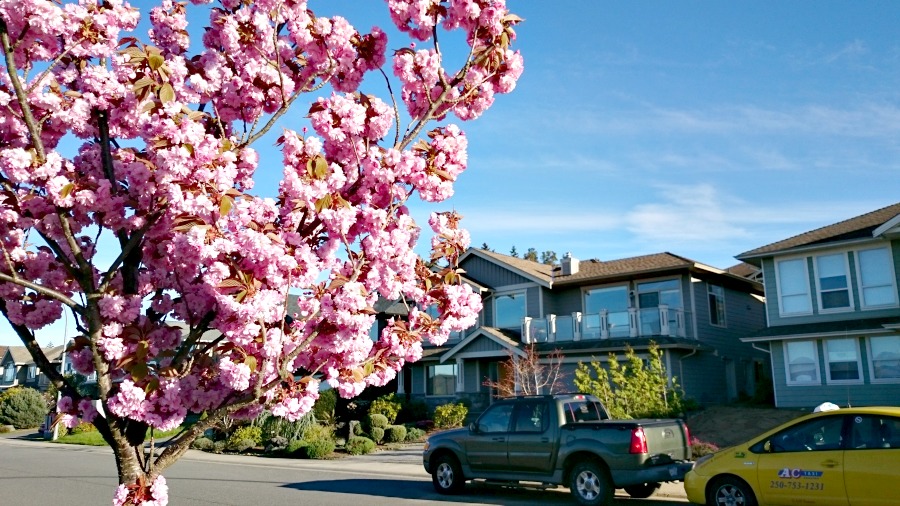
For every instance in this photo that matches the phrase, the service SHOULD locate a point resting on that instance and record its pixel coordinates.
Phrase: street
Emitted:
(39, 473)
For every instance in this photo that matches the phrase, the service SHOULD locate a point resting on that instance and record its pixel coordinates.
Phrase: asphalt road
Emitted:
(39, 473)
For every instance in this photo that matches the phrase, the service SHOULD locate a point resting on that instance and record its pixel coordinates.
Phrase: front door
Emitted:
(532, 445)
(804, 465)
(486, 445)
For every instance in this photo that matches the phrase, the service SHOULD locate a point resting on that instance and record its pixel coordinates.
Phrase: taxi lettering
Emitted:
(795, 474)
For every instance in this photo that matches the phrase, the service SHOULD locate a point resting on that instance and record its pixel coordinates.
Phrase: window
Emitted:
(832, 282)
(374, 333)
(583, 411)
(613, 299)
(801, 362)
(884, 358)
(32, 371)
(531, 417)
(873, 431)
(843, 360)
(793, 287)
(509, 310)
(9, 373)
(876, 278)
(432, 311)
(441, 379)
(819, 434)
(716, 305)
(496, 418)
(650, 297)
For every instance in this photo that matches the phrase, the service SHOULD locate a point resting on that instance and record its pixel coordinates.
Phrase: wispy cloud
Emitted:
(852, 50)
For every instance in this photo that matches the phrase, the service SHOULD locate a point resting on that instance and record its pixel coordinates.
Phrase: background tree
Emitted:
(151, 220)
(530, 375)
(635, 389)
(548, 257)
(513, 253)
(531, 254)
(485, 247)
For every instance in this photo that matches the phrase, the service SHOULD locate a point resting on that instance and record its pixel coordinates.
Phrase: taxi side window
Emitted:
(873, 431)
(814, 435)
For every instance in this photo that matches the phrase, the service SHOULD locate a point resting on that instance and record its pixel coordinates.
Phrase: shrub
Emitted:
(387, 405)
(323, 409)
(296, 448)
(450, 415)
(701, 448)
(377, 434)
(395, 434)
(82, 427)
(357, 429)
(218, 447)
(203, 443)
(277, 444)
(317, 432)
(412, 411)
(320, 448)
(376, 420)
(414, 434)
(23, 408)
(276, 427)
(238, 439)
(359, 445)
(6, 428)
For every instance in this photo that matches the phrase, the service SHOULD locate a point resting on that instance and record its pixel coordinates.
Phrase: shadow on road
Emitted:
(474, 493)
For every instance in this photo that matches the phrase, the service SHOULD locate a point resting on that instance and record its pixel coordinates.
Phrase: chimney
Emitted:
(569, 265)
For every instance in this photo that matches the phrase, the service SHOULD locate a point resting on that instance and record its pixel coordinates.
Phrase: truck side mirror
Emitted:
(473, 428)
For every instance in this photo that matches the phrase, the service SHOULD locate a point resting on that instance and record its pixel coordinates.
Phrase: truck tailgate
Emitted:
(666, 437)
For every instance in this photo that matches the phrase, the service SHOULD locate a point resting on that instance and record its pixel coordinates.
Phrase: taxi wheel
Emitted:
(730, 491)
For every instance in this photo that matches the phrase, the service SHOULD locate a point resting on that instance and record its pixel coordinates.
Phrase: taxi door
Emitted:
(872, 461)
(804, 464)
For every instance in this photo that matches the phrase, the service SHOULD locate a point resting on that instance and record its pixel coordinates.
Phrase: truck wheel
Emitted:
(447, 476)
(730, 491)
(642, 491)
(590, 484)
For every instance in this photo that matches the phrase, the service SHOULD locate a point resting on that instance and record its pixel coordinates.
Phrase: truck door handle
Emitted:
(545, 440)
(499, 439)
(830, 463)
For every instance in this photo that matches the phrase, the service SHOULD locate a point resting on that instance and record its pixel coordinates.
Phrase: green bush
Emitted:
(6, 428)
(359, 446)
(395, 434)
(357, 429)
(82, 427)
(412, 411)
(317, 432)
(377, 434)
(218, 447)
(414, 434)
(239, 438)
(323, 409)
(450, 415)
(23, 408)
(387, 405)
(203, 443)
(377, 420)
(275, 426)
(296, 448)
(320, 448)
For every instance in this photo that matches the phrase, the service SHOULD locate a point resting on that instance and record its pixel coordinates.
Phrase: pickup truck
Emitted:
(560, 440)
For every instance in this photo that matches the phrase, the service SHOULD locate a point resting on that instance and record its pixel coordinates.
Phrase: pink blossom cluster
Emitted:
(72, 413)
(139, 494)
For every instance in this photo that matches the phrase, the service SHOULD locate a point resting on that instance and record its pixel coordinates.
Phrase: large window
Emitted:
(843, 360)
(833, 282)
(801, 362)
(652, 295)
(32, 371)
(793, 287)
(509, 310)
(613, 299)
(9, 373)
(876, 278)
(441, 379)
(716, 305)
(884, 358)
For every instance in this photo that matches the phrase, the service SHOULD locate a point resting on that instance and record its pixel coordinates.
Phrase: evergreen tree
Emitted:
(531, 254)
(548, 257)
(513, 252)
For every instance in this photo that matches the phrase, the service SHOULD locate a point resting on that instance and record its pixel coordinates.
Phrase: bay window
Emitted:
(793, 287)
(884, 358)
(833, 282)
(876, 278)
(801, 360)
(843, 360)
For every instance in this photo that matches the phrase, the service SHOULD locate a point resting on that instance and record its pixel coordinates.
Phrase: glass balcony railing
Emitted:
(648, 322)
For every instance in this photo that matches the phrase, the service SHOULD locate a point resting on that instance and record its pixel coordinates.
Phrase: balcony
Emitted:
(652, 322)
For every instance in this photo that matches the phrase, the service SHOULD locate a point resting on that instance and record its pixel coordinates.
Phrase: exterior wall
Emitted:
(491, 274)
(564, 302)
(810, 396)
(772, 302)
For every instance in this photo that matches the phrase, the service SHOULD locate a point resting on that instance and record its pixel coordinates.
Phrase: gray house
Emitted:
(17, 368)
(694, 312)
(833, 312)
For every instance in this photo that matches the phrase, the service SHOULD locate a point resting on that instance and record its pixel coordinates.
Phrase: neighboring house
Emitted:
(695, 313)
(18, 368)
(833, 312)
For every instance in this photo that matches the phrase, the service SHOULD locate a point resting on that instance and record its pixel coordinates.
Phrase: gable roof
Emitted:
(541, 274)
(494, 334)
(859, 227)
(20, 355)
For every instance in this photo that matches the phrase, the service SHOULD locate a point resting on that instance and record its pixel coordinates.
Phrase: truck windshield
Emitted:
(583, 411)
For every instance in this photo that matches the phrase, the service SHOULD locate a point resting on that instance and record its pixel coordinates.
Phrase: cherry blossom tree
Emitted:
(162, 172)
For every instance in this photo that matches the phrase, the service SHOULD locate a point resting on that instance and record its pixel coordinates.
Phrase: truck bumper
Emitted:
(674, 471)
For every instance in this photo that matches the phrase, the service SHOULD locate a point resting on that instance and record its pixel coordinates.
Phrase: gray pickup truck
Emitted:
(552, 440)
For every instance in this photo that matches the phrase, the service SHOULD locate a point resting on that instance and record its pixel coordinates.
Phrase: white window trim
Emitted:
(637, 289)
(523, 291)
(817, 381)
(871, 365)
(849, 288)
(859, 286)
(859, 368)
(778, 285)
(587, 289)
(724, 323)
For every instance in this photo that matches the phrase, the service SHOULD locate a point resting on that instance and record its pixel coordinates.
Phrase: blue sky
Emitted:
(701, 128)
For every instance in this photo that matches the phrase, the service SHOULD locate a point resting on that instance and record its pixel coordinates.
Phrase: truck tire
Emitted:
(447, 476)
(730, 490)
(590, 484)
(642, 491)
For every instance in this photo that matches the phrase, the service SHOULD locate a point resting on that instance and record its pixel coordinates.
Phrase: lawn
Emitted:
(93, 438)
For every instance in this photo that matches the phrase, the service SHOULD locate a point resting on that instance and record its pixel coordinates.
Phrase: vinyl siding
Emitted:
(490, 274)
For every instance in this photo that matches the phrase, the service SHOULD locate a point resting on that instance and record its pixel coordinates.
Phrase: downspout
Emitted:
(681, 363)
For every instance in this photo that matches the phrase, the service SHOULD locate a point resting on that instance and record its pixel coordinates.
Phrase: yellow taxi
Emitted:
(846, 457)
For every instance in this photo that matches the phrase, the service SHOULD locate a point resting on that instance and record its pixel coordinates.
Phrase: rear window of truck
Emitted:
(583, 411)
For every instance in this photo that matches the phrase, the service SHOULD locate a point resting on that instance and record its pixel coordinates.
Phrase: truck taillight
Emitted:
(687, 435)
(638, 441)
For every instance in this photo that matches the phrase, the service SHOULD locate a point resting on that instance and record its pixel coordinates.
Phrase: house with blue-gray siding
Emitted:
(588, 309)
(833, 312)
